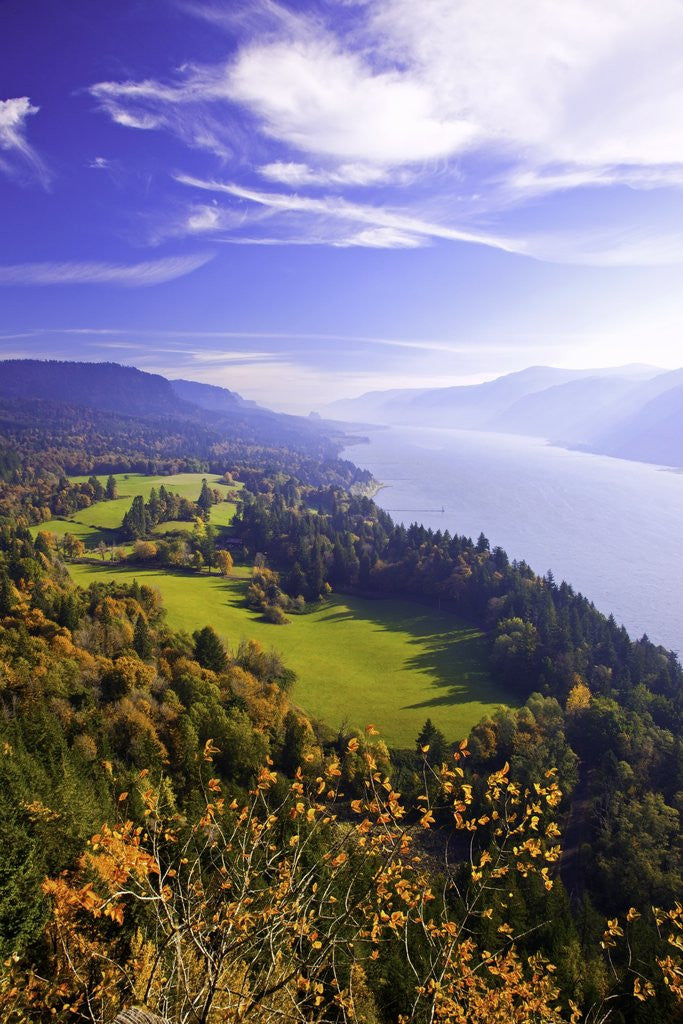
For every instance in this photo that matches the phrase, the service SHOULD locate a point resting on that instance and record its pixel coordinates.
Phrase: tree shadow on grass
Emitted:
(448, 649)
(458, 663)
(231, 593)
(91, 538)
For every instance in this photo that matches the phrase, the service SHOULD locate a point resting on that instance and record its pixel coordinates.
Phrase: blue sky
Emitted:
(308, 200)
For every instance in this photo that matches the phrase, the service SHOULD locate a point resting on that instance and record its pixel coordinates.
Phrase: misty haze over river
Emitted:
(611, 528)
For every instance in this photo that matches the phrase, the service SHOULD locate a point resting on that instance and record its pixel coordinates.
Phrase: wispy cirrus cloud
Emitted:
(135, 275)
(178, 339)
(333, 220)
(342, 215)
(414, 83)
(297, 174)
(449, 115)
(22, 157)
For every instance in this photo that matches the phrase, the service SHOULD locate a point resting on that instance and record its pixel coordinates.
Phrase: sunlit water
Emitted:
(611, 528)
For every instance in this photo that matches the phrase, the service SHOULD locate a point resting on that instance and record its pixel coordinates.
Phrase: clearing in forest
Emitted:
(103, 518)
(389, 662)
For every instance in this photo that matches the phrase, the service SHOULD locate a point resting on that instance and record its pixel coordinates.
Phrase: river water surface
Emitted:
(611, 528)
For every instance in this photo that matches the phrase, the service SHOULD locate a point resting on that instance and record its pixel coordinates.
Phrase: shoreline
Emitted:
(369, 490)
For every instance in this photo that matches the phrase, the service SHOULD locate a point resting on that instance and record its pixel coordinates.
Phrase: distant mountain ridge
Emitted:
(210, 396)
(633, 412)
(653, 433)
(110, 388)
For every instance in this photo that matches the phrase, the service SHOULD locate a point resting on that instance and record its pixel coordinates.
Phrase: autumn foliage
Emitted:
(283, 906)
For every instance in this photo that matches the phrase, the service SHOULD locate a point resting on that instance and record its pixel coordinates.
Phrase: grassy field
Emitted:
(109, 514)
(90, 535)
(101, 520)
(389, 662)
(173, 526)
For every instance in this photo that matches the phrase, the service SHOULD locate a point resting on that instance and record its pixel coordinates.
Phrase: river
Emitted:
(611, 528)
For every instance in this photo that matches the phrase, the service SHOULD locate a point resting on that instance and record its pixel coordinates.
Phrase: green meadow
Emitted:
(389, 662)
(101, 520)
(393, 663)
(90, 535)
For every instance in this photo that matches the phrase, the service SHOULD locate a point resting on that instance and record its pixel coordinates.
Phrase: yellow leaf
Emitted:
(210, 749)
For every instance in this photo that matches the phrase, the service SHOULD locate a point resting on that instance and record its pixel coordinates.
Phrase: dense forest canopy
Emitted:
(247, 860)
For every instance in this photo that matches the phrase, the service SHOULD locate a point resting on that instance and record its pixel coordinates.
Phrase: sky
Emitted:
(308, 200)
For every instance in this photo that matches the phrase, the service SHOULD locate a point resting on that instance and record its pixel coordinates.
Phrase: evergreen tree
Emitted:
(111, 490)
(433, 738)
(136, 520)
(7, 599)
(68, 611)
(205, 499)
(163, 504)
(209, 650)
(153, 507)
(296, 581)
(294, 742)
(98, 491)
(142, 640)
(207, 546)
(22, 907)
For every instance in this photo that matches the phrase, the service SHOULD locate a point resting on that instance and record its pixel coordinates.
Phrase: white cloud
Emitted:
(344, 212)
(13, 115)
(203, 218)
(183, 109)
(621, 248)
(424, 82)
(329, 220)
(136, 275)
(590, 85)
(323, 100)
(478, 106)
(297, 174)
(419, 344)
(382, 238)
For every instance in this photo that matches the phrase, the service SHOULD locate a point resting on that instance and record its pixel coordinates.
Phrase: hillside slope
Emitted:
(653, 433)
(74, 408)
(209, 396)
(632, 412)
(109, 387)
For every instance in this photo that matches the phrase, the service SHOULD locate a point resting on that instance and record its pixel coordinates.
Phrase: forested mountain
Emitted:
(127, 391)
(108, 387)
(80, 417)
(633, 412)
(208, 396)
